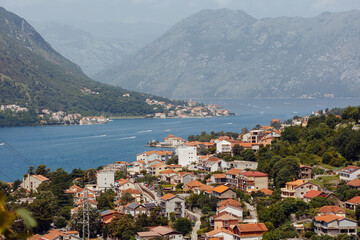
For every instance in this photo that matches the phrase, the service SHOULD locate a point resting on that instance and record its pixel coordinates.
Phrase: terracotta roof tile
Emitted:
(254, 174)
(354, 200)
(219, 230)
(168, 196)
(221, 189)
(230, 202)
(194, 183)
(326, 218)
(266, 191)
(219, 175)
(354, 183)
(350, 169)
(313, 193)
(234, 171)
(252, 227)
(332, 209)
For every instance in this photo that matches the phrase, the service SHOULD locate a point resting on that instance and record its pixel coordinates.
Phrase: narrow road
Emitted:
(253, 213)
(197, 224)
(146, 192)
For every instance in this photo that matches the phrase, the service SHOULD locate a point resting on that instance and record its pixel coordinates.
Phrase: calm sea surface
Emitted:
(70, 147)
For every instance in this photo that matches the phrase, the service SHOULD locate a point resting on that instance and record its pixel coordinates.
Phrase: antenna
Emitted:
(86, 222)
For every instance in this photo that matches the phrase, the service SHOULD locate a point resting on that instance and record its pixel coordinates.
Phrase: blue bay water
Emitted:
(70, 147)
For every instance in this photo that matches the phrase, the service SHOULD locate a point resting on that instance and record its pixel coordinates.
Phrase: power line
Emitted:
(6, 176)
(13, 150)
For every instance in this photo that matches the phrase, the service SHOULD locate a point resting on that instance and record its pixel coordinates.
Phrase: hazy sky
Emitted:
(165, 12)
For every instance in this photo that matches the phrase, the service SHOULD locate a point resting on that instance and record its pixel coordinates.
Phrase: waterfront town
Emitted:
(162, 110)
(265, 183)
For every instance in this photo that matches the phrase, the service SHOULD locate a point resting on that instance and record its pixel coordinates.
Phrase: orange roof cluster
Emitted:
(266, 191)
(185, 173)
(332, 209)
(354, 200)
(350, 169)
(122, 181)
(131, 191)
(219, 230)
(194, 183)
(206, 188)
(231, 202)
(219, 175)
(313, 193)
(168, 171)
(40, 178)
(327, 218)
(252, 227)
(221, 189)
(296, 182)
(234, 171)
(355, 182)
(168, 196)
(254, 174)
(224, 216)
(161, 153)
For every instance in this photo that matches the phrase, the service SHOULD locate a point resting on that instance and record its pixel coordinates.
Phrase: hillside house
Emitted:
(297, 189)
(172, 203)
(32, 182)
(252, 181)
(349, 173)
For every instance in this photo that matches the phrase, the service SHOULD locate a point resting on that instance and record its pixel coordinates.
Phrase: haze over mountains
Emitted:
(226, 53)
(92, 53)
(33, 74)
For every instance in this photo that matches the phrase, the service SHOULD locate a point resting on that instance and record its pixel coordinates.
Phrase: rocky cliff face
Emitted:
(225, 53)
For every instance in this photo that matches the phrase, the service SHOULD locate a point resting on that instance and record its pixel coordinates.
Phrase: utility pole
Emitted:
(86, 222)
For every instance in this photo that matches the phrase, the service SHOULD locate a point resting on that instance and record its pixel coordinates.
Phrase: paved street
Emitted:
(197, 224)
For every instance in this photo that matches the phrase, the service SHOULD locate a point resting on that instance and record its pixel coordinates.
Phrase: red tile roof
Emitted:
(332, 209)
(252, 227)
(350, 169)
(168, 196)
(219, 230)
(254, 174)
(326, 218)
(234, 171)
(221, 189)
(354, 200)
(312, 194)
(230, 202)
(354, 183)
(266, 191)
(219, 175)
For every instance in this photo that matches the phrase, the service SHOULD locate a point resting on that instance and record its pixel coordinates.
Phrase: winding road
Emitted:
(197, 224)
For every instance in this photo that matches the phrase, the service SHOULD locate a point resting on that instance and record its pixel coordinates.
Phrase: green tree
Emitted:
(351, 113)
(126, 198)
(357, 213)
(237, 149)
(41, 170)
(106, 200)
(183, 225)
(249, 155)
(290, 134)
(60, 222)
(285, 170)
(120, 175)
(121, 227)
(43, 212)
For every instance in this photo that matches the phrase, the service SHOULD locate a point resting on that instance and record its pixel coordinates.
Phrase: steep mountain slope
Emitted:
(225, 53)
(90, 52)
(33, 73)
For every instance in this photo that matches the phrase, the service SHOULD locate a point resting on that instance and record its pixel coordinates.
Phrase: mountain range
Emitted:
(229, 54)
(33, 74)
(92, 53)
